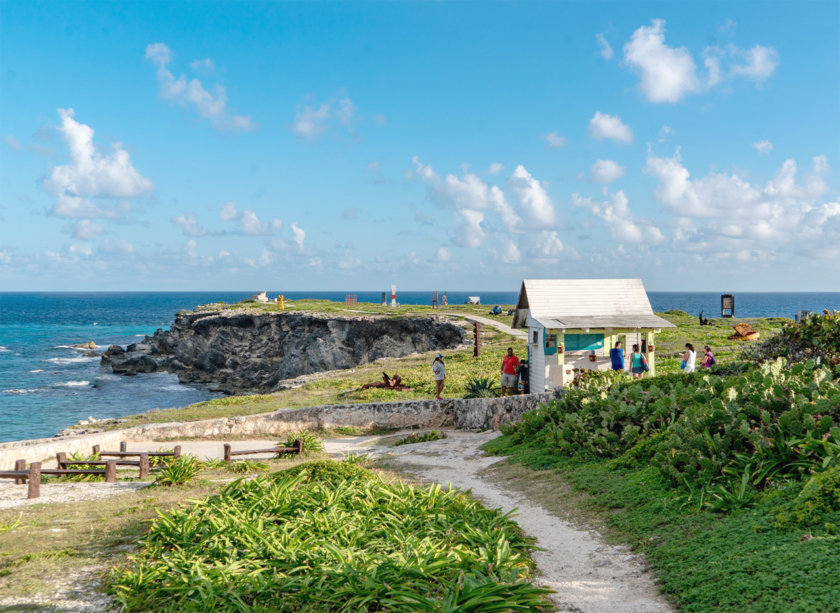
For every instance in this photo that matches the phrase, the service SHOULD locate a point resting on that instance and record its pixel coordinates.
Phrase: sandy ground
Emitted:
(587, 574)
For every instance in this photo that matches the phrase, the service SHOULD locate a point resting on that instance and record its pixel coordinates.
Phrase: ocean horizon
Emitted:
(47, 385)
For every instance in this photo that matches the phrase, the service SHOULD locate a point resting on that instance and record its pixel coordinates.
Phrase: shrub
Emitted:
(814, 337)
(481, 387)
(420, 437)
(246, 466)
(818, 500)
(311, 443)
(294, 542)
(178, 471)
(773, 422)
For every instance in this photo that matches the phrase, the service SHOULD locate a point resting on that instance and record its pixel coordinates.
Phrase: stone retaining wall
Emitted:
(467, 414)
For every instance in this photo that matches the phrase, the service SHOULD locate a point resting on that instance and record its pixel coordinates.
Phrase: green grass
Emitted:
(670, 343)
(705, 561)
(331, 536)
(346, 386)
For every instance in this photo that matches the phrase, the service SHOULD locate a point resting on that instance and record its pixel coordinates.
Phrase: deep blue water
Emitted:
(45, 385)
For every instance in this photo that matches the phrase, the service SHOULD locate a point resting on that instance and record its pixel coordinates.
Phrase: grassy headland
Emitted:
(341, 387)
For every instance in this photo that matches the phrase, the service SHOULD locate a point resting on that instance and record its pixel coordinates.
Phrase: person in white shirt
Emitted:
(690, 358)
(439, 371)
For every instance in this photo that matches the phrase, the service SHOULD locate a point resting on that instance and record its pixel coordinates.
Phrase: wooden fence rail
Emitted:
(142, 463)
(229, 453)
(35, 472)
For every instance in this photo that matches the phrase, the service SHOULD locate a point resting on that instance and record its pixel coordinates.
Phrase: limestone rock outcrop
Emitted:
(240, 352)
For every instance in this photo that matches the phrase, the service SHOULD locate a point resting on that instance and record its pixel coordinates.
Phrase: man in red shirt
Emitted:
(509, 365)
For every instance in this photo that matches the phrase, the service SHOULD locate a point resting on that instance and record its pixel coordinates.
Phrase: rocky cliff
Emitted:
(255, 352)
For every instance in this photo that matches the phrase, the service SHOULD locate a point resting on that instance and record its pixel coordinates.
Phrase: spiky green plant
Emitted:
(311, 443)
(481, 387)
(178, 471)
(247, 466)
(420, 437)
(331, 536)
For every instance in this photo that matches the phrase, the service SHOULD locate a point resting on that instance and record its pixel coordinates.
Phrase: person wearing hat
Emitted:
(439, 371)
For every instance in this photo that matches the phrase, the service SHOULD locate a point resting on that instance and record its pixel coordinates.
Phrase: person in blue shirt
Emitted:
(617, 357)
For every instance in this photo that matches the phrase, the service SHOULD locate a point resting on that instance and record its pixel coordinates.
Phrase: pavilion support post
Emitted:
(651, 354)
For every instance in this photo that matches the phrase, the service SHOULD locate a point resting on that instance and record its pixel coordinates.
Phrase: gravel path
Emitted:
(587, 574)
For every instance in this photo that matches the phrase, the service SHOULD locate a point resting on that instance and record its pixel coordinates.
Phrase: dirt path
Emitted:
(588, 575)
(492, 322)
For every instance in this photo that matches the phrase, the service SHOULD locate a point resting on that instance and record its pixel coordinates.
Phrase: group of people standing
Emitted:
(514, 375)
(637, 363)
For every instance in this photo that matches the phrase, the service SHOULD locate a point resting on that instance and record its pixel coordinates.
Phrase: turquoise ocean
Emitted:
(46, 385)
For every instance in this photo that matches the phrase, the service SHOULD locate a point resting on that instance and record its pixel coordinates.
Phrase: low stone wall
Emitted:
(463, 413)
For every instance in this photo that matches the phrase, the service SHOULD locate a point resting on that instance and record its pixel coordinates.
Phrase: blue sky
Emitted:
(248, 146)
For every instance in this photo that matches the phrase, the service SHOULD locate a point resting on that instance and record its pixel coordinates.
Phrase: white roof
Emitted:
(586, 303)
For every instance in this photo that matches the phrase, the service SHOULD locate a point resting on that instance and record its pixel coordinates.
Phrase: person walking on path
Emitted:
(509, 365)
(689, 358)
(617, 356)
(439, 371)
(710, 360)
(638, 363)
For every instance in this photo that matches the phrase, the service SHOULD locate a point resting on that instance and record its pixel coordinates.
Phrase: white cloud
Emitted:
(495, 168)
(204, 66)
(667, 73)
(757, 62)
(85, 230)
(249, 222)
(727, 215)
(211, 106)
(548, 244)
(554, 140)
(119, 247)
(603, 126)
(311, 121)
(532, 197)
(442, 254)
(91, 174)
(298, 235)
(763, 146)
(606, 48)
(606, 171)
(470, 196)
(623, 226)
(12, 142)
(510, 253)
(189, 225)
(5, 256)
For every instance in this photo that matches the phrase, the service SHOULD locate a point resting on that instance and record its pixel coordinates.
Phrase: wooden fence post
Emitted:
(227, 452)
(477, 334)
(299, 445)
(61, 459)
(110, 471)
(96, 449)
(20, 465)
(144, 465)
(176, 453)
(123, 446)
(34, 480)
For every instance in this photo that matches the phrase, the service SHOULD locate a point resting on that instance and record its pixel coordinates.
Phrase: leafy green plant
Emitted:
(347, 430)
(420, 437)
(81, 457)
(331, 536)
(360, 459)
(178, 471)
(311, 443)
(247, 466)
(481, 387)
(8, 526)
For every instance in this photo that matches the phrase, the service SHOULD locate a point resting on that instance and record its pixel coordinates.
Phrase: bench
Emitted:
(298, 449)
(34, 473)
(142, 463)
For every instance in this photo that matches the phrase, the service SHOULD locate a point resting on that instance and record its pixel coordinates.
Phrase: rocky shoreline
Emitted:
(239, 352)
